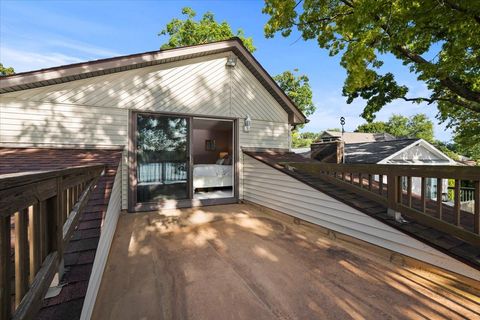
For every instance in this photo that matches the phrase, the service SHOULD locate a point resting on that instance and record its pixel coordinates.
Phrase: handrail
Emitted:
(45, 207)
(397, 192)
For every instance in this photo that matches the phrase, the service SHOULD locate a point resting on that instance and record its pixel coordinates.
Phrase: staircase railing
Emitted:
(38, 213)
(403, 189)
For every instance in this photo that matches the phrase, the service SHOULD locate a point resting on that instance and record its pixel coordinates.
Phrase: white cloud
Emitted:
(23, 60)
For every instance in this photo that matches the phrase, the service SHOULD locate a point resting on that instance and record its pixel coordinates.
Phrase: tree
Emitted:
(297, 87)
(372, 127)
(6, 71)
(437, 40)
(190, 32)
(207, 29)
(417, 126)
(303, 139)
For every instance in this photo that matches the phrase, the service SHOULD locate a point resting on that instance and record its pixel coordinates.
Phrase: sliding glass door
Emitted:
(162, 158)
(180, 161)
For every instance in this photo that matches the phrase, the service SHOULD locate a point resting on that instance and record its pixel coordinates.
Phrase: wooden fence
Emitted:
(38, 213)
(368, 180)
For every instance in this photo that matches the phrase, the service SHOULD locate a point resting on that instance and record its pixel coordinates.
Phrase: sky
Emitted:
(40, 34)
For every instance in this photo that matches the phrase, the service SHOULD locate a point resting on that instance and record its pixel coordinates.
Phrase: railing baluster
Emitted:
(392, 192)
(72, 199)
(21, 257)
(65, 204)
(476, 218)
(5, 266)
(399, 189)
(67, 201)
(380, 184)
(43, 230)
(351, 177)
(370, 182)
(423, 197)
(409, 191)
(456, 206)
(34, 239)
(439, 198)
(37, 234)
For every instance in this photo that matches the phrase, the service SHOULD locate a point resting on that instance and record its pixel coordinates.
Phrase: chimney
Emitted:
(329, 152)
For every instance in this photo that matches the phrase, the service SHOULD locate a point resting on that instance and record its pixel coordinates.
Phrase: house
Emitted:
(354, 137)
(175, 134)
(373, 148)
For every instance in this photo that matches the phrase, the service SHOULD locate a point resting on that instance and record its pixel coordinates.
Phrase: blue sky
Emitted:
(39, 34)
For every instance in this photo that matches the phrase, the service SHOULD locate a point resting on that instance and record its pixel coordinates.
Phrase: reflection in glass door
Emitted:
(162, 158)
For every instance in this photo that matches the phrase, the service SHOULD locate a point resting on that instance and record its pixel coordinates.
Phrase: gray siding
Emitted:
(273, 189)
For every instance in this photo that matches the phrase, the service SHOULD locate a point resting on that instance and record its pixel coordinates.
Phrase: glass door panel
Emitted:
(162, 158)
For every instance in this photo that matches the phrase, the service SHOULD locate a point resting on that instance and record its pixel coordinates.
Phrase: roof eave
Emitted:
(55, 75)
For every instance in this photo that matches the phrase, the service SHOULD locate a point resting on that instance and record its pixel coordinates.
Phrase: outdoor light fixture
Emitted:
(247, 123)
(231, 61)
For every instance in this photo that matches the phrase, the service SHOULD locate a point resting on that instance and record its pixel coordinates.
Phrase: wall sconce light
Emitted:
(231, 61)
(247, 123)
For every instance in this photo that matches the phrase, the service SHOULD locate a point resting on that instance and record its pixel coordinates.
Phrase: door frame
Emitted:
(133, 206)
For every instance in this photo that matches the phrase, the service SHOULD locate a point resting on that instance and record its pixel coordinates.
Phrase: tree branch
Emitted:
(451, 100)
(456, 7)
(453, 85)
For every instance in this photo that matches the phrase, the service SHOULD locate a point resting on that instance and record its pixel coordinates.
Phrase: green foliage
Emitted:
(188, 31)
(6, 71)
(297, 87)
(437, 40)
(303, 139)
(372, 127)
(334, 129)
(447, 149)
(466, 137)
(417, 126)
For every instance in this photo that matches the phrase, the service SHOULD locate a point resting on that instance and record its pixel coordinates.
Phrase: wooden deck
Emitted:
(237, 262)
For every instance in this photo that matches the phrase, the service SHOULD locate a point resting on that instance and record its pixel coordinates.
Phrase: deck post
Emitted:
(393, 197)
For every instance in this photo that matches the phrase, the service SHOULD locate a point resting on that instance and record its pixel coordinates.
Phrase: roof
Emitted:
(439, 240)
(357, 137)
(374, 152)
(77, 71)
(80, 251)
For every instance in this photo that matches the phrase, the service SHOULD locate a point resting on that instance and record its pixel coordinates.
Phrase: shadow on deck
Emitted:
(236, 262)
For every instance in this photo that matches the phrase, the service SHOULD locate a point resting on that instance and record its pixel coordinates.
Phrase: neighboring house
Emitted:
(354, 137)
(402, 151)
(183, 127)
(388, 151)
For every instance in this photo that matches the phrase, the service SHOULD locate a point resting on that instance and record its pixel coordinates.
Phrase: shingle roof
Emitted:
(373, 152)
(357, 137)
(80, 252)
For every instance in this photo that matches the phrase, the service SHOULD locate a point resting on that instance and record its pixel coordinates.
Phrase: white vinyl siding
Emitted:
(93, 112)
(43, 122)
(276, 190)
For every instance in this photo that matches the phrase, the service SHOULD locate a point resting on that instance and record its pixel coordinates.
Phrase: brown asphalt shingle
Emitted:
(80, 252)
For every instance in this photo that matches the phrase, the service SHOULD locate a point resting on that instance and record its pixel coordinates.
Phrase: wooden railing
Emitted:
(38, 214)
(391, 185)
